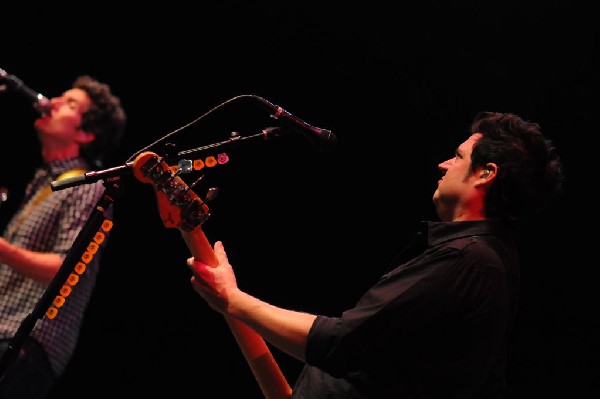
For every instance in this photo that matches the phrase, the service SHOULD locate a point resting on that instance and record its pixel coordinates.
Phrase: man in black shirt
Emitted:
(437, 325)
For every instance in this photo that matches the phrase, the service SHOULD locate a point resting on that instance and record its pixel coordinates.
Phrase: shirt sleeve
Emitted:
(416, 309)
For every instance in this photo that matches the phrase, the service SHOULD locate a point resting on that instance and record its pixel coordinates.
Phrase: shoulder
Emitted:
(478, 253)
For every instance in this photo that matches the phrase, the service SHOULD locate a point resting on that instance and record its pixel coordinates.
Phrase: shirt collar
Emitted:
(60, 166)
(439, 232)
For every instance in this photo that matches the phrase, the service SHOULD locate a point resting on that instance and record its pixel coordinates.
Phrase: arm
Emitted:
(286, 329)
(271, 380)
(39, 266)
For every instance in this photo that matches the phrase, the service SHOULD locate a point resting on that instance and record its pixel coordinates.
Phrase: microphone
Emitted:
(91, 177)
(323, 138)
(40, 102)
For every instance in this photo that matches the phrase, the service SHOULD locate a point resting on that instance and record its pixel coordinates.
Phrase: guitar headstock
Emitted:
(179, 207)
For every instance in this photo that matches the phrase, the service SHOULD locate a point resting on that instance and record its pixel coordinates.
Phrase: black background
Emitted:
(304, 227)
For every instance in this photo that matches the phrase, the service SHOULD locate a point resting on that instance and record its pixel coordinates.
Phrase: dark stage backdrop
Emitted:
(306, 227)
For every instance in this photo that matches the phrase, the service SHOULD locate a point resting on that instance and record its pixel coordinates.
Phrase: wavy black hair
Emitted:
(530, 172)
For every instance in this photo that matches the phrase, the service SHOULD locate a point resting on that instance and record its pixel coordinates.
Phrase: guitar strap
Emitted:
(40, 196)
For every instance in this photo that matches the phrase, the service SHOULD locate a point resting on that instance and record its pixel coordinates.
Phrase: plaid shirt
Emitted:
(50, 225)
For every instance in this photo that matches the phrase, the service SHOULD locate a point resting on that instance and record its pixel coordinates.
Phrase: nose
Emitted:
(56, 102)
(444, 165)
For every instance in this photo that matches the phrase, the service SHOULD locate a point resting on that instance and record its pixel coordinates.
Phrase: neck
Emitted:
(462, 215)
(469, 210)
(54, 154)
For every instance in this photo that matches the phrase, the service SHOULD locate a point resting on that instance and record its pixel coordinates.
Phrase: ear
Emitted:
(487, 173)
(84, 137)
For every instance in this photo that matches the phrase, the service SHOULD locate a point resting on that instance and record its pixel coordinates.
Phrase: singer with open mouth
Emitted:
(76, 130)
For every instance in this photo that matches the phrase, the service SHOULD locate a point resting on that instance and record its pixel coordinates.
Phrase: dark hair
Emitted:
(105, 118)
(530, 174)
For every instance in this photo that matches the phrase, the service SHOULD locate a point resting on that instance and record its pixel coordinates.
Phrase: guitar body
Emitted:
(181, 208)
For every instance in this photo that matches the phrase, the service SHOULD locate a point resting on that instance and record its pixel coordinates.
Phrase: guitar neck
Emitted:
(199, 246)
(181, 208)
(266, 371)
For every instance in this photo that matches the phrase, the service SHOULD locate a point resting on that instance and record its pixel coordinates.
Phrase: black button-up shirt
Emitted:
(433, 327)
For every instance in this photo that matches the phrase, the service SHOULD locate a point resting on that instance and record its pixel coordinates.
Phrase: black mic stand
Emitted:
(113, 190)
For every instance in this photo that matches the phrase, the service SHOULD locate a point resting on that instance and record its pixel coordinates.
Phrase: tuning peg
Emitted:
(3, 195)
(211, 194)
(170, 153)
(185, 166)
